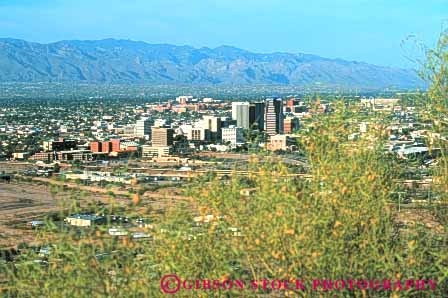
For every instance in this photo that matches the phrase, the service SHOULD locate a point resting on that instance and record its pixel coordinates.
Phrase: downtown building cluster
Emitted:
(173, 128)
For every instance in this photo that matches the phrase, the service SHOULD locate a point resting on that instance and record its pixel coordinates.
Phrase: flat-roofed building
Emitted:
(256, 115)
(128, 144)
(162, 136)
(84, 220)
(156, 151)
(59, 145)
(195, 133)
(233, 135)
(274, 116)
(240, 113)
(115, 145)
(143, 128)
(105, 147)
(43, 156)
(281, 142)
(213, 125)
(21, 155)
(290, 125)
(81, 155)
(95, 147)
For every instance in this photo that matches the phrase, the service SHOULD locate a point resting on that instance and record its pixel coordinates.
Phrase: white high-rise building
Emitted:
(240, 113)
(143, 128)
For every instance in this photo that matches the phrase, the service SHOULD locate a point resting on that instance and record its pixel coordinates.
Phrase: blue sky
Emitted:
(361, 30)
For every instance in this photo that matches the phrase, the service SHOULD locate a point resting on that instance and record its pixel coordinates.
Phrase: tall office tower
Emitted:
(240, 113)
(256, 115)
(274, 116)
(162, 136)
(213, 124)
(143, 127)
(234, 104)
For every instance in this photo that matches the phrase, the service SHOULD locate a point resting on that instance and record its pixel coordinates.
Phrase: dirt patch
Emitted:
(22, 202)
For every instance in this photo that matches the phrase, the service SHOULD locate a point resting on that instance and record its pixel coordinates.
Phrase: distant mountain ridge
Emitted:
(126, 61)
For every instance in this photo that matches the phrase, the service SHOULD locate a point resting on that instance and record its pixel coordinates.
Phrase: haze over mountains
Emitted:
(125, 61)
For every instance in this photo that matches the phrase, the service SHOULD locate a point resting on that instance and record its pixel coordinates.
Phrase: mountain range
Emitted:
(126, 61)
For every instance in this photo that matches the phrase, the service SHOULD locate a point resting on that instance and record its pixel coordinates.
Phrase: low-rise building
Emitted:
(59, 145)
(281, 142)
(81, 155)
(233, 135)
(43, 156)
(84, 220)
(21, 155)
(156, 151)
(126, 145)
(95, 147)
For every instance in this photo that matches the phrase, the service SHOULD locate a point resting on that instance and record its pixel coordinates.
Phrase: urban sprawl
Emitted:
(147, 153)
